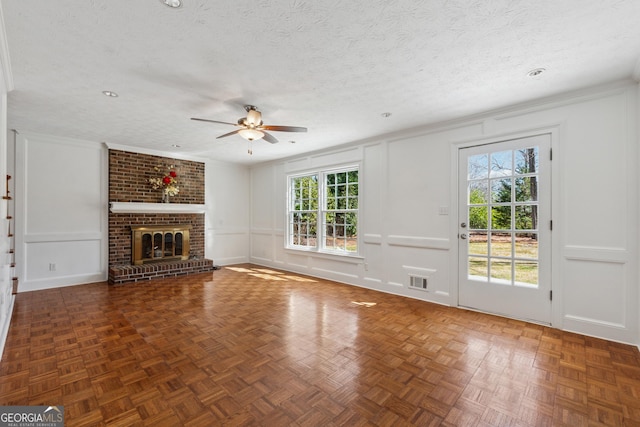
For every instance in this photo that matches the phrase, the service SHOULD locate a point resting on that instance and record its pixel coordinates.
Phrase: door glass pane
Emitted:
(527, 160)
(478, 166)
(526, 217)
(478, 193)
(501, 244)
(478, 244)
(478, 268)
(501, 217)
(501, 190)
(526, 273)
(526, 189)
(501, 271)
(478, 217)
(527, 245)
(502, 163)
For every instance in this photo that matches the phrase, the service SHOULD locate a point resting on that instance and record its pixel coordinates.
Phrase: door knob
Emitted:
(463, 236)
(463, 224)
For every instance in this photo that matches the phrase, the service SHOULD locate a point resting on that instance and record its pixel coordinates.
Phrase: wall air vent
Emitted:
(417, 282)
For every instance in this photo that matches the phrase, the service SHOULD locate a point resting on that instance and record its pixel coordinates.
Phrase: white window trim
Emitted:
(319, 248)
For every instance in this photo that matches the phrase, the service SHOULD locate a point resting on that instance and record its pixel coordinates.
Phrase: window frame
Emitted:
(321, 234)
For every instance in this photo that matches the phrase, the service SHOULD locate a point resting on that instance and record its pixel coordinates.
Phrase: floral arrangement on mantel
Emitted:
(167, 182)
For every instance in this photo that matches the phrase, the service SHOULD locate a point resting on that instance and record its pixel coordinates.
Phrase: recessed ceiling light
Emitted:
(110, 93)
(172, 3)
(385, 115)
(176, 145)
(536, 72)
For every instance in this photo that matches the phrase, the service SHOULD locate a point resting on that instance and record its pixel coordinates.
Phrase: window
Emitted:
(303, 215)
(323, 211)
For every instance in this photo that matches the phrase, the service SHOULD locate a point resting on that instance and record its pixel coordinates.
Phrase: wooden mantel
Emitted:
(176, 208)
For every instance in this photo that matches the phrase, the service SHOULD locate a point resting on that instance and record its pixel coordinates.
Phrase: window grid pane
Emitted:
(340, 219)
(303, 211)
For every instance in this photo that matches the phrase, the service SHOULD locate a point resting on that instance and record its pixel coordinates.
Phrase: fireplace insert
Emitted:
(159, 243)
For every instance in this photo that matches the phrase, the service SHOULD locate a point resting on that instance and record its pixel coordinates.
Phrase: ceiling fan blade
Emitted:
(214, 121)
(284, 128)
(269, 138)
(229, 134)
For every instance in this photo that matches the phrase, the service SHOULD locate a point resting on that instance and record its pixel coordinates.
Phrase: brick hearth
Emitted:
(119, 274)
(129, 175)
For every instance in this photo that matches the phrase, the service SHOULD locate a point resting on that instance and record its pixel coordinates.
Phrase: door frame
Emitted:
(555, 131)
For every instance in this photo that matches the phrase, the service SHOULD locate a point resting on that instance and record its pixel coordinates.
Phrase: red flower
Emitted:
(166, 180)
(173, 174)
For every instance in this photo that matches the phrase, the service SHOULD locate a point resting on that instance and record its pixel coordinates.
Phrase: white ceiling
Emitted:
(331, 66)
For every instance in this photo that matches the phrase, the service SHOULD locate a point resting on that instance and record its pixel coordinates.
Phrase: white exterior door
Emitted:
(504, 228)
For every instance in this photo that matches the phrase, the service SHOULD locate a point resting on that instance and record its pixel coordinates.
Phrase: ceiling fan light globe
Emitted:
(254, 118)
(251, 134)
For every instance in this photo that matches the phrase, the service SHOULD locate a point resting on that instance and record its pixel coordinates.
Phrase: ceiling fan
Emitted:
(252, 127)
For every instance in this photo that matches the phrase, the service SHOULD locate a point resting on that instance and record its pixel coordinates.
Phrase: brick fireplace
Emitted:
(134, 203)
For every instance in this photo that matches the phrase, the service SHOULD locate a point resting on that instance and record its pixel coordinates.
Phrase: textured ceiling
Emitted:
(331, 66)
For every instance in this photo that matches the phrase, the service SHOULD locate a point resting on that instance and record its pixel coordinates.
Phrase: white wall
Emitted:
(6, 242)
(407, 178)
(6, 206)
(61, 211)
(227, 220)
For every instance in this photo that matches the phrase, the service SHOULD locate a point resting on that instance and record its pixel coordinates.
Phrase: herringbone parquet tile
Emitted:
(247, 345)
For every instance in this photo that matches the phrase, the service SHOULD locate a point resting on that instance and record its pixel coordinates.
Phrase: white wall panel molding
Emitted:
(419, 271)
(239, 231)
(263, 231)
(373, 281)
(323, 159)
(372, 239)
(339, 276)
(27, 136)
(595, 322)
(595, 254)
(349, 155)
(62, 237)
(502, 134)
(311, 255)
(292, 166)
(61, 211)
(469, 128)
(419, 242)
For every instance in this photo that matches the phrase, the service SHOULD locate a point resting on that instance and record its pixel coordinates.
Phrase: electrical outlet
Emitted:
(52, 266)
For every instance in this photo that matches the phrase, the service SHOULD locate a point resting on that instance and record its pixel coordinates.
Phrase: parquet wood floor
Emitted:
(247, 345)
